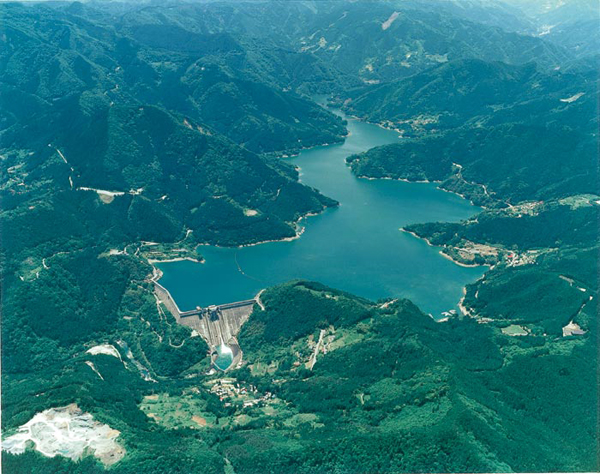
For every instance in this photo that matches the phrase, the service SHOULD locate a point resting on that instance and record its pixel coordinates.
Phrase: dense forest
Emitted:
(128, 124)
(495, 133)
(400, 392)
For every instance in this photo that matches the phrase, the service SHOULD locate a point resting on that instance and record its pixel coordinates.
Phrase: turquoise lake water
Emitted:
(356, 247)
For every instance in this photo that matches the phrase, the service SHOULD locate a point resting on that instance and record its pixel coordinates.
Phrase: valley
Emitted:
(356, 247)
(264, 237)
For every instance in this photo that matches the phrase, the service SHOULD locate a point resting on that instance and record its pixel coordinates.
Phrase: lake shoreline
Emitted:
(441, 252)
(365, 226)
(466, 265)
(299, 231)
(152, 261)
(402, 229)
(403, 180)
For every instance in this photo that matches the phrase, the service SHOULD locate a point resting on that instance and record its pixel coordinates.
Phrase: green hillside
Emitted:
(496, 133)
(395, 392)
(399, 392)
(384, 42)
(475, 92)
(128, 64)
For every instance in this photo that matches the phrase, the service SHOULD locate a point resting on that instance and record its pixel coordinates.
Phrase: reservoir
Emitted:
(356, 247)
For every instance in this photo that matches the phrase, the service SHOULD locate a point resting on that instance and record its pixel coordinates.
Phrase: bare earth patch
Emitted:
(515, 330)
(386, 24)
(106, 198)
(199, 420)
(572, 329)
(106, 349)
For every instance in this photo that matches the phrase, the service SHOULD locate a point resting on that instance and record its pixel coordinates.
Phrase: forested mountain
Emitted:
(429, 393)
(96, 103)
(497, 133)
(493, 166)
(194, 75)
(133, 126)
(476, 92)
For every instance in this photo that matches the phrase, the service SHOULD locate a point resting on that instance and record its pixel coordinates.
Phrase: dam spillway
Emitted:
(217, 325)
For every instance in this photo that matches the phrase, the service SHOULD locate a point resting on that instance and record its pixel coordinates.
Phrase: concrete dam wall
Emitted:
(216, 324)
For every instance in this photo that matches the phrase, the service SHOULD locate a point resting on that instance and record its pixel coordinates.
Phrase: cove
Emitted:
(357, 247)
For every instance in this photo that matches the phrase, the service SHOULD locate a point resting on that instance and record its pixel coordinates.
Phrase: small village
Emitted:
(230, 391)
(514, 259)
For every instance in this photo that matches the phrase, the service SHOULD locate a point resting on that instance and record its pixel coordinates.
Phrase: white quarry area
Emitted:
(106, 349)
(573, 98)
(67, 432)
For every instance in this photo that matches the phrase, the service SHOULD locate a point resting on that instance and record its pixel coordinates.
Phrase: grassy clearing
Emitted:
(515, 330)
(173, 412)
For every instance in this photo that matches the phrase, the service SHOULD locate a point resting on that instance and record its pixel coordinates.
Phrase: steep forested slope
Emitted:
(89, 104)
(398, 392)
(493, 132)
(192, 74)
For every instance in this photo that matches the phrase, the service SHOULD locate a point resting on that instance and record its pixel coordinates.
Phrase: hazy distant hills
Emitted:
(494, 13)
(571, 24)
(371, 41)
(564, 10)
(379, 43)
(581, 36)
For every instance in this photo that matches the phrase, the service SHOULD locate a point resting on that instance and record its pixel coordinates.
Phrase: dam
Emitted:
(218, 325)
